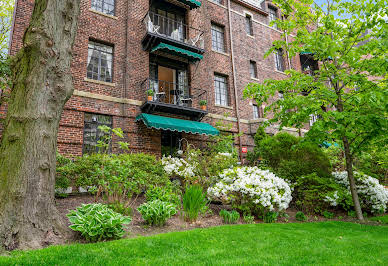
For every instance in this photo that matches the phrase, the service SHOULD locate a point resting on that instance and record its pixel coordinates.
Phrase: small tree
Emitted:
(348, 92)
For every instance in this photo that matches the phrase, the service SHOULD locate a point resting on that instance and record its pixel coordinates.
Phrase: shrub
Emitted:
(328, 215)
(97, 222)
(249, 219)
(315, 194)
(290, 157)
(254, 155)
(157, 212)
(121, 208)
(163, 194)
(194, 200)
(374, 162)
(373, 196)
(270, 217)
(231, 217)
(299, 216)
(251, 190)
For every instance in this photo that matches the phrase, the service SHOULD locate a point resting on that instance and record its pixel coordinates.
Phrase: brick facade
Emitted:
(122, 98)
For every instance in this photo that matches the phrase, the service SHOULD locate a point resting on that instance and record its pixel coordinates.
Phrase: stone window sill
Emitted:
(224, 106)
(100, 82)
(103, 14)
(218, 52)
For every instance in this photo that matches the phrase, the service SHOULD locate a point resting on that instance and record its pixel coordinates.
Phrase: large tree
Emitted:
(42, 83)
(348, 93)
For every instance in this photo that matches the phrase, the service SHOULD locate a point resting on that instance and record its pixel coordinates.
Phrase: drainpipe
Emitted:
(288, 54)
(234, 80)
(126, 61)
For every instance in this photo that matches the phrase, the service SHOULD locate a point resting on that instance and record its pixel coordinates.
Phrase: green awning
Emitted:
(191, 3)
(174, 124)
(177, 51)
(305, 52)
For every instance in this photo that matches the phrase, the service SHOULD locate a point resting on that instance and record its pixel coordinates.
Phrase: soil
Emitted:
(176, 223)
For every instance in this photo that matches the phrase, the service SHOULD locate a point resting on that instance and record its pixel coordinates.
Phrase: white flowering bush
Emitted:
(178, 167)
(373, 195)
(251, 190)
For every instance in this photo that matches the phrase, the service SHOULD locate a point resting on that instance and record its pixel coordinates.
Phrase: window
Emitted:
(256, 113)
(104, 6)
(279, 60)
(221, 90)
(220, 2)
(170, 142)
(218, 38)
(91, 132)
(100, 62)
(273, 15)
(248, 25)
(253, 69)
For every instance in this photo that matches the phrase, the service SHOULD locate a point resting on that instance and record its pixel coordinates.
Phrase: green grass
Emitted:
(324, 243)
(382, 219)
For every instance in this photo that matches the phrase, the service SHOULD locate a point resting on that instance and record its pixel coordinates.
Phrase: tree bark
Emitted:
(352, 183)
(42, 83)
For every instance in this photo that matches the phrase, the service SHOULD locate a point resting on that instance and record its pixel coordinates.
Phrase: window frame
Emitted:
(248, 24)
(102, 7)
(256, 111)
(95, 123)
(253, 68)
(218, 90)
(273, 16)
(216, 30)
(99, 65)
(279, 60)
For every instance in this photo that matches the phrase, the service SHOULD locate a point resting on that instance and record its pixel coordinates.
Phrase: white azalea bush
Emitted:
(251, 190)
(373, 195)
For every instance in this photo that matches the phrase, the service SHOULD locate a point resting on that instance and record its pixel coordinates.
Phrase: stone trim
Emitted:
(100, 82)
(224, 106)
(106, 98)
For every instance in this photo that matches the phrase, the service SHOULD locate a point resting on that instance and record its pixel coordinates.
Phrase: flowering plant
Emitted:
(252, 190)
(373, 195)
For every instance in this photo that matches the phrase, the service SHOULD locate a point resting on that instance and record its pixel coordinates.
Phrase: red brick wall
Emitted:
(131, 68)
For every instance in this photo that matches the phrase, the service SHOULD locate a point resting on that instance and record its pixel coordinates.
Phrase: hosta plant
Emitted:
(252, 190)
(97, 222)
(157, 212)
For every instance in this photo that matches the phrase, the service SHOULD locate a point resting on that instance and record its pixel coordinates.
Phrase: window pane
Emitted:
(218, 38)
(248, 25)
(279, 60)
(255, 111)
(91, 132)
(253, 69)
(221, 90)
(100, 58)
(104, 6)
(273, 15)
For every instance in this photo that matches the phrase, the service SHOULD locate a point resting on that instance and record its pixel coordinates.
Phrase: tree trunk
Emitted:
(352, 183)
(42, 83)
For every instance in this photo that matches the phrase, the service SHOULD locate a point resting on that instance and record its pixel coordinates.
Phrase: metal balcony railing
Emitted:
(173, 30)
(171, 93)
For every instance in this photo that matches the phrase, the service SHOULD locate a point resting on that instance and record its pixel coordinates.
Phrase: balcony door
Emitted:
(171, 21)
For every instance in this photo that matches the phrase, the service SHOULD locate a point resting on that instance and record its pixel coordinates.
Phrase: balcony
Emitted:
(179, 38)
(173, 98)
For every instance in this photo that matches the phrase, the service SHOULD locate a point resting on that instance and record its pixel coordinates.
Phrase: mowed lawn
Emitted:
(323, 243)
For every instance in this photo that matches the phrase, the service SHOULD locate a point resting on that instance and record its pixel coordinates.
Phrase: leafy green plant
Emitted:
(97, 222)
(157, 212)
(230, 217)
(270, 217)
(150, 92)
(299, 216)
(249, 219)
(163, 193)
(194, 200)
(121, 208)
(202, 102)
(328, 215)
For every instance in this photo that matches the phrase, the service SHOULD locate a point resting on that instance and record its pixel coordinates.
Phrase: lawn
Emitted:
(329, 243)
(381, 219)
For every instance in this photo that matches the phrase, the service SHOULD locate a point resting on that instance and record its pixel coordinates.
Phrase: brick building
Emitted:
(177, 52)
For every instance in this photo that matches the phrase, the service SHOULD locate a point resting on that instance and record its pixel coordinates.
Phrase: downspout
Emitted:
(288, 54)
(12, 27)
(234, 81)
(126, 61)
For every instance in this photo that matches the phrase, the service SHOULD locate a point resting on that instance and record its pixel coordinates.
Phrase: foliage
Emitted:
(374, 162)
(164, 194)
(254, 155)
(202, 102)
(121, 208)
(97, 222)
(6, 11)
(291, 157)
(381, 219)
(157, 212)
(194, 200)
(328, 215)
(299, 216)
(373, 195)
(251, 190)
(230, 217)
(105, 141)
(316, 194)
(270, 217)
(336, 157)
(349, 90)
(249, 219)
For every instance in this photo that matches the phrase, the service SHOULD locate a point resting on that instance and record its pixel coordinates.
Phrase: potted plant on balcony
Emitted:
(150, 94)
(203, 104)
